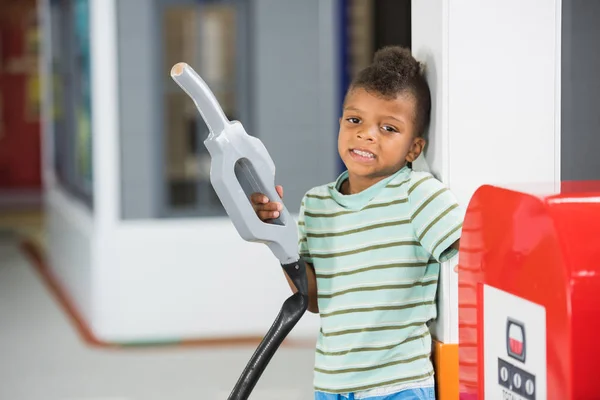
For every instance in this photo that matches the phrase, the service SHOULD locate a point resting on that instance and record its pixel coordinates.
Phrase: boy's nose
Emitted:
(367, 134)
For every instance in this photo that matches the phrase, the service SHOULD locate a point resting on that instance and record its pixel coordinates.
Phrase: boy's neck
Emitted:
(354, 185)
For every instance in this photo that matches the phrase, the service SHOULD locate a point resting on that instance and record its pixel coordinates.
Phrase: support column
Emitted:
(494, 72)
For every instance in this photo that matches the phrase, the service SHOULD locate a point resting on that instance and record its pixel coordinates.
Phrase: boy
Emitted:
(373, 241)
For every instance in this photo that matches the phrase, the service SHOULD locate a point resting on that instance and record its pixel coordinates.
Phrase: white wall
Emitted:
(70, 240)
(169, 280)
(494, 71)
(173, 280)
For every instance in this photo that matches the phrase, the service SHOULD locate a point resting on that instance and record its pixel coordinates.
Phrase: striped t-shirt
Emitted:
(376, 256)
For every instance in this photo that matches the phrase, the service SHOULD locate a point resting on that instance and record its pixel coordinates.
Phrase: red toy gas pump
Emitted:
(529, 295)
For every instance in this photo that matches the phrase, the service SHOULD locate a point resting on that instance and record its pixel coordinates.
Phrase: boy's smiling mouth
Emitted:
(362, 155)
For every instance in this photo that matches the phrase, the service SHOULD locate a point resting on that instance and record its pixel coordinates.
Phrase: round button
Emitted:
(504, 374)
(529, 387)
(517, 380)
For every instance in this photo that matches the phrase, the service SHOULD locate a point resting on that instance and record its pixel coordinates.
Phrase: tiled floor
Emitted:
(42, 357)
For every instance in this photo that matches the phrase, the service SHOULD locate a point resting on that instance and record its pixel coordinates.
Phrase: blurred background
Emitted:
(121, 277)
(115, 252)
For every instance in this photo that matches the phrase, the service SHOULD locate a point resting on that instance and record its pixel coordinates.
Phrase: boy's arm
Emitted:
(436, 217)
(313, 305)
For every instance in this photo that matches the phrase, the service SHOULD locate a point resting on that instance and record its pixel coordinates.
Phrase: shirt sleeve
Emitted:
(302, 238)
(437, 217)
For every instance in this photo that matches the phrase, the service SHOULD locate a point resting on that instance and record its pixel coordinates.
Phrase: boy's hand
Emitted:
(266, 208)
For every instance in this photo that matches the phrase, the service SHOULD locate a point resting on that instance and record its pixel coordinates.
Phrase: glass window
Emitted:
(71, 87)
(164, 163)
(204, 36)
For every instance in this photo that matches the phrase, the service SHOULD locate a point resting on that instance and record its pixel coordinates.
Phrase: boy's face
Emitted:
(377, 136)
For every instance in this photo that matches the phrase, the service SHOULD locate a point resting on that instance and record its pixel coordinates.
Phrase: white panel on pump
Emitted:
(514, 342)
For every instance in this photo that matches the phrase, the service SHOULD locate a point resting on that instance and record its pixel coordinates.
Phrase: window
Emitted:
(71, 90)
(204, 36)
(164, 163)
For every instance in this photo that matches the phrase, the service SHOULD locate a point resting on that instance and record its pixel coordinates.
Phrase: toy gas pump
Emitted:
(529, 294)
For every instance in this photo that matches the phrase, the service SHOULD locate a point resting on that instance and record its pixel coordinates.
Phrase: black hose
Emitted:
(289, 315)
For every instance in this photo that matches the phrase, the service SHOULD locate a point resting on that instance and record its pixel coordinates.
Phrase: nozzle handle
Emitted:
(240, 165)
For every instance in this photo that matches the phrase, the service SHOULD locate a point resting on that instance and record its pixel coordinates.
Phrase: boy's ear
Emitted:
(415, 149)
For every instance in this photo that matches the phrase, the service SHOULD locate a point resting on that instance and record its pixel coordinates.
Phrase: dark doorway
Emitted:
(391, 23)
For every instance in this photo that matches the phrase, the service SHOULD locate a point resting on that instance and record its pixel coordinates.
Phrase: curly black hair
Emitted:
(395, 72)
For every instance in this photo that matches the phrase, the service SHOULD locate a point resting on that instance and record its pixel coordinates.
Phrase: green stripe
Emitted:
(368, 248)
(435, 221)
(397, 185)
(428, 201)
(372, 329)
(382, 287)
(318, 215)
(414, 264)
(371, 368)
(363, 349)
(389, 203)
(375, 385)
(418, 183)
(320, 197)
(358, 230)
(305, 255)
(378, 308)
(446, 236)
(345, 212)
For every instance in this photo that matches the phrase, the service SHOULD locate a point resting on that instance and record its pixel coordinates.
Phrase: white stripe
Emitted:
(433, 216)
(375, 284)
(348, 227)
(322, 190)
(344, 365)
(386, 324)
(378, 262)
(332, 250)
(443, 234)
(329, 211)
(359, 306)
(326, 211)
(371, 344)
(429, 192)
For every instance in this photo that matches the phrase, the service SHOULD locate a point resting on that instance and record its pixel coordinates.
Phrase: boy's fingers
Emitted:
(258, 198)
(268, 208)
(273, 206)
(276, 206)
(265, 215)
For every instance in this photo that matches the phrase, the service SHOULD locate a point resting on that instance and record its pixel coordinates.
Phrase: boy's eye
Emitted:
(353, 120)
(390, 128)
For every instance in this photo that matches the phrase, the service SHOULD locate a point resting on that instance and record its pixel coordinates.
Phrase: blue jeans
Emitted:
(409, 394)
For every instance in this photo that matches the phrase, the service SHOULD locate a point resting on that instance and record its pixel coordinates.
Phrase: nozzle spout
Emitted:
(204, 99)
